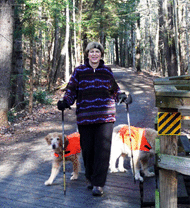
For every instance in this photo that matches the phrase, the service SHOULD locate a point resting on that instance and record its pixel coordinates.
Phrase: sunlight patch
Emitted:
(5, 170)
(26, 167)
(138, 92)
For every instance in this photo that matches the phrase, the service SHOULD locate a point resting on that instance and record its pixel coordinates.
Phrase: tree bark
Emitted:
(55, 51)
(75, 37)
(161, 38)
(31, 76)
(116, 51)
(17, 78)
(65, 51)
(169, 42)
(6, 47)
(138, 51)
(175, 17)
(187, 39)
(79, 42)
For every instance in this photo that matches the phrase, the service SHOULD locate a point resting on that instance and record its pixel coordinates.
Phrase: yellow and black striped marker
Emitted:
(169, 123)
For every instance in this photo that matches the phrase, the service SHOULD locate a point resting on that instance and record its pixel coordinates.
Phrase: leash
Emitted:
(64, 175)
(129, 126)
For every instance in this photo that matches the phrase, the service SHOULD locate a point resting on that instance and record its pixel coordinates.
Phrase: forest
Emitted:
(42, 41)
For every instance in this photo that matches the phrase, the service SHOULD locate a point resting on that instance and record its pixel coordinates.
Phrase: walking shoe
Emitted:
(89, 185)
(97, 191)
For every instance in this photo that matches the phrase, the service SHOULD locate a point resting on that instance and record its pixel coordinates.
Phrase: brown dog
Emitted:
(72, 151)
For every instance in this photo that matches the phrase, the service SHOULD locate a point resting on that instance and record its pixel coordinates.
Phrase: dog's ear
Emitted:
(47, 138)
(151, 135)
(60, 139)
(66, 142)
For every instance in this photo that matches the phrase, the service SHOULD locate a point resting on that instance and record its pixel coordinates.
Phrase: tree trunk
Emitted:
(75, 38)
(171, 54)
(31, 77)
(39, 62)
(79, 42)
(116, 51)
(6, 47)
(55, 51)
(17, 79)
(175, 17)
(126, 48)
(102, 32)
(187, 38)
(122, 56)
(133, 37)
(67, 44)
(161, 38)
(138, 51)
(65, 51)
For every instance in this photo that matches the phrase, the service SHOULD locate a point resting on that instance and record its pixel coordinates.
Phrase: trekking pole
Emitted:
(64, 176)
(128, 101)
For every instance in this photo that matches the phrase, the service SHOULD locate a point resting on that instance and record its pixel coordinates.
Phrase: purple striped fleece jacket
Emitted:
(95, 93)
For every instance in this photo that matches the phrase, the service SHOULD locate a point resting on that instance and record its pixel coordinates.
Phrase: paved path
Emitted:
(27, 164)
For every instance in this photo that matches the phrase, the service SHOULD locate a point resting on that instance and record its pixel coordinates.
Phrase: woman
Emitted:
(95, 90)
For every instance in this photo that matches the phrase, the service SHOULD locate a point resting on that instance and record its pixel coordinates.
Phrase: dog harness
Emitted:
(138, 139)
(73, 146)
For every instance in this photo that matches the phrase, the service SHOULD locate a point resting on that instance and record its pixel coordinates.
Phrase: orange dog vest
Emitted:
(73, 146)
(138, 140)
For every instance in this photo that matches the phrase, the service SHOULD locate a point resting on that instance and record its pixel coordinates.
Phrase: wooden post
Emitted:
(168, 178)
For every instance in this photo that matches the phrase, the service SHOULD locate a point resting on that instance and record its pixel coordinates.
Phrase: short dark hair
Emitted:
(92, 45)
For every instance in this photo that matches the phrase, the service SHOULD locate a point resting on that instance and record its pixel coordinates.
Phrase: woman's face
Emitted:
(94, 56)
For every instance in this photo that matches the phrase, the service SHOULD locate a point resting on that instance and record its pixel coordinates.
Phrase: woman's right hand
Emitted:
(62, 105)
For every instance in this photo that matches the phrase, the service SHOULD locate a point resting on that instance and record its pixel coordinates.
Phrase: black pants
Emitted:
(95, 142)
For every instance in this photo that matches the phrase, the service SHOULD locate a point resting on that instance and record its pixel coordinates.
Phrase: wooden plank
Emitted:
(171, 102)
(185, 124)
(120, 191)
(175, 163)
(149, 189)
(183, 87)
(185, 143)
(181, 190)
(184, 79)
(162, 81)
(185, 110)
(170, 90)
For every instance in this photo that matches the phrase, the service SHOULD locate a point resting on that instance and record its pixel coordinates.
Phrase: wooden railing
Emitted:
(172, 95)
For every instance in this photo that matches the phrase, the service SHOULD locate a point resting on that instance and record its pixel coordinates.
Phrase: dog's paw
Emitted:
(122, 170)
(48, 183)
(74, 176)
(149, 174)
(138, 177)
(113, 170)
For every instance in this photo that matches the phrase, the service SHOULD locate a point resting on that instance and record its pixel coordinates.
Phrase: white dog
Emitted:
(72, 151)
(143, 148)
